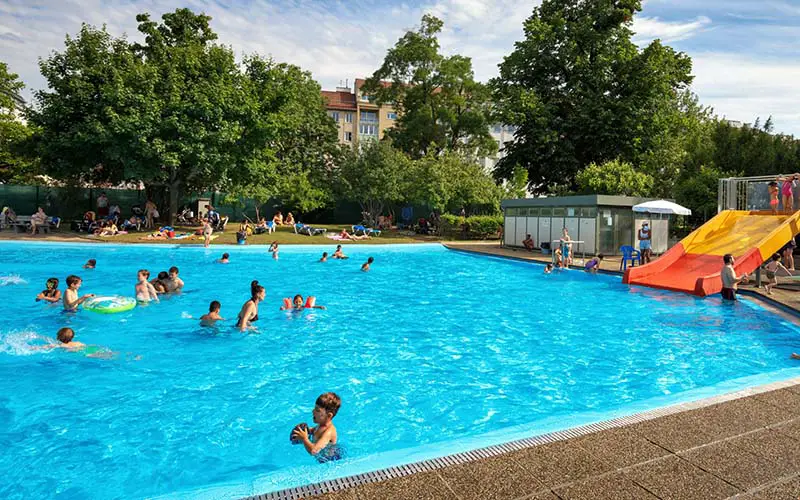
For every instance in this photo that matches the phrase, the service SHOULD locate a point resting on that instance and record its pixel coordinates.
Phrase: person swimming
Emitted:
(274, 249)
(548, 269)
(90, 264)
(212, 316)
(51, 293)
(320, 441)
(145, 291)
(298, 304)
(158, 283)
(324, 257)
(71, 299)
(66, 338)
(249, 311)
(338, 254)
(225, 259)
(365, 265)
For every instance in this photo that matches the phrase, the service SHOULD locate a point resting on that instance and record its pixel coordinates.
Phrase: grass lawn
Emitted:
(284, 236)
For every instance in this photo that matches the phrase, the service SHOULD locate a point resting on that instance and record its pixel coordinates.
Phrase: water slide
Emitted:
(693, 265)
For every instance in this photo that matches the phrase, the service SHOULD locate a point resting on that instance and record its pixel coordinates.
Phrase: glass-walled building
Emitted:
(603, 223)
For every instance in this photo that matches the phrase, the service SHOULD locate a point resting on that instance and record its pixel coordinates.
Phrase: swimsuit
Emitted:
(770, 275)
(254, 318)
(729, 293)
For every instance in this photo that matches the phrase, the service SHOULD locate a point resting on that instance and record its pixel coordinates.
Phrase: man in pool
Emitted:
(145, 291)
(174, 284)
(365, 265)
(225, 259)
(324, 257)
(71, 299)
(730, 282)
(317, 439)
(338, 254)
(213, 314)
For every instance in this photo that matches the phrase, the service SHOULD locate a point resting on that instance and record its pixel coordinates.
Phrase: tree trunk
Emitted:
(174, 195)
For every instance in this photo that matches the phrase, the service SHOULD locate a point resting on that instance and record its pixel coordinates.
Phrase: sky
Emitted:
(745, 52)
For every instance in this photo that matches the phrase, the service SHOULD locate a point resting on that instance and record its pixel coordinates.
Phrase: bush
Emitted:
(478, 226)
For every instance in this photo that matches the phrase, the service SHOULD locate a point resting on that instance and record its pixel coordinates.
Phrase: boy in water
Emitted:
(213, 314)
(65, 336)
(71, 299)
(145, 292)
(338, 254)
(315, 440)
(90, 264)
(365, 265)
(324, 257)
(174, 284)
(225, 259)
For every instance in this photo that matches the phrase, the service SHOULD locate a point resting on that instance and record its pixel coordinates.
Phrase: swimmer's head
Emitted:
(215, 306)
(258, 292)
(73, 280)
(253, 286)
(548, 267)
(173, 271)
(65, 335)
(225, 256)
(370, 260)
(163, 275)
(52, 284)
(326, 407)
(324, 254)
(91, 262)
(144, 274)
(298, 300)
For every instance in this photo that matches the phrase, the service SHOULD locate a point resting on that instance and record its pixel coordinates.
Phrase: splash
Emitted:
(12, 279)
(186, 315)
(22, 343)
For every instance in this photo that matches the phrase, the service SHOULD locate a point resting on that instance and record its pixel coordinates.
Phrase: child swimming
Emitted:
(66, 338)
(338, 254)
(548, 269)
(51, 293)
(365, 265)
(71, 300)
(324, 257)
(158, 283)
(317, 440)
(225, 259)
(145, 291)
(594, 264)
(90, 264)
(298, 304)
(274, 249)
(213, 314)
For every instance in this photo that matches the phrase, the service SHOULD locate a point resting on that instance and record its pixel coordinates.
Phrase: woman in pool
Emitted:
(51, 293)
(274, 249)
(249, 312)
(298, 304)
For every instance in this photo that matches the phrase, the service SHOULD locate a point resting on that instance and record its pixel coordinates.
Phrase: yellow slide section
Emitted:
(693, 265)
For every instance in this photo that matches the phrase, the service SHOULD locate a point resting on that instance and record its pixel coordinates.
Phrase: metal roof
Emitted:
(590, 200)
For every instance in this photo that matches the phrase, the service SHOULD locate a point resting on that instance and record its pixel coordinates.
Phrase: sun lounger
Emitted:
(366, 230)
(308, 230)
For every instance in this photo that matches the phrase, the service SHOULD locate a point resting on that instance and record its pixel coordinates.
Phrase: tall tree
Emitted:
(581, 92)
(439, 103)
(13, 131)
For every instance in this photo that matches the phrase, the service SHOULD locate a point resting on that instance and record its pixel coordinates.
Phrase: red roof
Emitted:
(339, 100)
(361, 81)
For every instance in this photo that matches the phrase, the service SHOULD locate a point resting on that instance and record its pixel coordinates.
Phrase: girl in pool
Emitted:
(274, 249)
(249, 312)
(298, 304)
(51, 293)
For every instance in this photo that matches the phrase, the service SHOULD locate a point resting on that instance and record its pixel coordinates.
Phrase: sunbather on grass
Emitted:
(347, 236)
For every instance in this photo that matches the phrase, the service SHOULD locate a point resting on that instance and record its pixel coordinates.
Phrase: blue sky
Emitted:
(745, 53)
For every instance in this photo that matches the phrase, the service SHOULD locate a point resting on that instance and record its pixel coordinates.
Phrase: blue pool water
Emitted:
(432, 352)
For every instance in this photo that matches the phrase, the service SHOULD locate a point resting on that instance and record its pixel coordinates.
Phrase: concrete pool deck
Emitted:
(747, 447)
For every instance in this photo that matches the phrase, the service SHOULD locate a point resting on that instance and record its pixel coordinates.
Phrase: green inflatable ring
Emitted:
(109, 304)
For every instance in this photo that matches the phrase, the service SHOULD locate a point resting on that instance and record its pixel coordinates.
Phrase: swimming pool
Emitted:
(433, 352)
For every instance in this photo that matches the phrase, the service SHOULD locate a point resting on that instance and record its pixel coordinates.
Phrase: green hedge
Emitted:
(478, 226)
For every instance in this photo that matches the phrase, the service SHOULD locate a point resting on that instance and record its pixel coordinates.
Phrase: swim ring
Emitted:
(109, 304)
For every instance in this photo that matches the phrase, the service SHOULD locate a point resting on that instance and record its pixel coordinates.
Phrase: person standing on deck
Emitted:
(645, 238)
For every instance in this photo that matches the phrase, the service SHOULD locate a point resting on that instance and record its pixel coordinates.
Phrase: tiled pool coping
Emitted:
(342, 484)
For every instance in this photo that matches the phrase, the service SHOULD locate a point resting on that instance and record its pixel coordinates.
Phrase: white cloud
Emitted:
(743, 88)
(650, 28)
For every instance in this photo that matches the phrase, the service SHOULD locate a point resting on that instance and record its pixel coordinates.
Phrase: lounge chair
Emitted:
(366, 230)
(300, 228)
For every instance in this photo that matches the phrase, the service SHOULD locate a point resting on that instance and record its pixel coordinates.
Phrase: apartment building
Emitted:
(357, 116)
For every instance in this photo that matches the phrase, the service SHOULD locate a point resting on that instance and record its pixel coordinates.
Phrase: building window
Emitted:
(334, 115)
(364, 129)
(348, 137)
(348, 117)
(369, 116)
(391, 115)
(365, 98)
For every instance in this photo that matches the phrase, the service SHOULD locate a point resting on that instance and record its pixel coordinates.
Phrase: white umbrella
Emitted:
(662, 207)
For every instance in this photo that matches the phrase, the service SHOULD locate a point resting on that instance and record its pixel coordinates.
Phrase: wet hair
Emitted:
(338, 247)
(370, 260)
(72, 279)
(65, 335)
(329, 402)
(144, 272)
(163, 275)
(54, 281)
(296, 297)
(727, 258)
(225, 256)
(549, 266)
(173, 269)
(253, 286)
(91, 261)
(256, 289)
(324, 254)
(214, 306)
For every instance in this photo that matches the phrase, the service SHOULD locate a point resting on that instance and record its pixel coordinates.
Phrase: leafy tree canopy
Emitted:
(615, 178)
(14, 166)
(440, 105)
